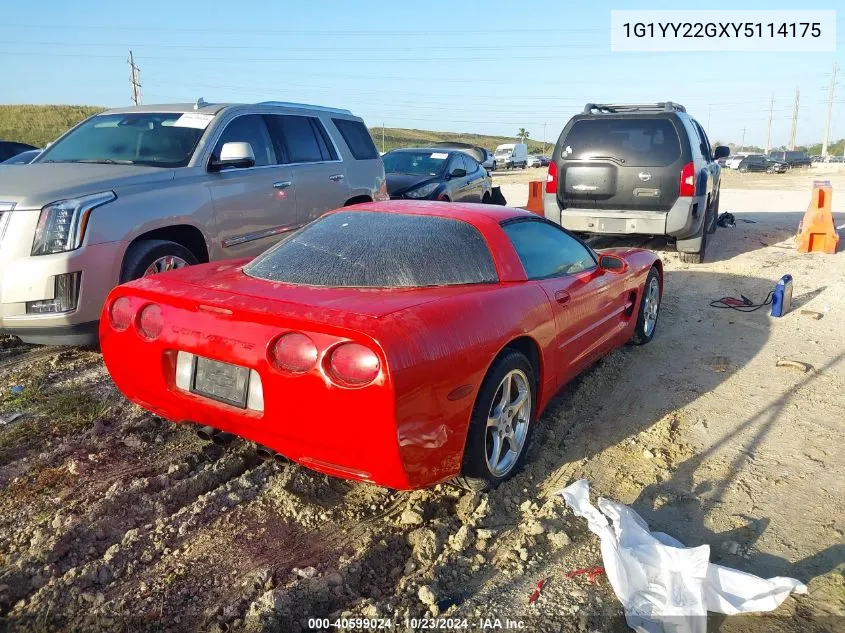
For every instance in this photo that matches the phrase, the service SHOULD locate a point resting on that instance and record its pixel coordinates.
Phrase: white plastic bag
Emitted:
(663, 586)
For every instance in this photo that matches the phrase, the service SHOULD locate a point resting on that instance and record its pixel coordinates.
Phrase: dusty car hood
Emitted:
(397, 184)
(33, 186)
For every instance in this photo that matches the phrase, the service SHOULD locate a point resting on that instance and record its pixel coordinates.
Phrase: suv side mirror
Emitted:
(236, 154)
(612, 264)
(458, 172)
(721, 152)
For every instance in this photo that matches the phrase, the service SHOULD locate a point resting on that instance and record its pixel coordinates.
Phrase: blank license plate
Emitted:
(221, 381)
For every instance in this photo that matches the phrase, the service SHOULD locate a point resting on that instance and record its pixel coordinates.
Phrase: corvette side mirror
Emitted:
(612, 264)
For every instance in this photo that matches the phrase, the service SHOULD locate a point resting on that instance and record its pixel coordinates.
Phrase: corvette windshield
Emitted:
(368, 249)
(415, 163)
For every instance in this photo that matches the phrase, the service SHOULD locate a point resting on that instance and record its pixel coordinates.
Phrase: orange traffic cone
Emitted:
(817, 233)
(535, 196)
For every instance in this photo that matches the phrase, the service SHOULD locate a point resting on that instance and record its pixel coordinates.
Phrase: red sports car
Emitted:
(401, 343)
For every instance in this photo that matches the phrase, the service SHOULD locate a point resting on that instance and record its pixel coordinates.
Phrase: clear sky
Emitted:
(475, 66)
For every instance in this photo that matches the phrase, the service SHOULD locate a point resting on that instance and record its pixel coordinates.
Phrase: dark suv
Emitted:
(793, 159)
(636, 169)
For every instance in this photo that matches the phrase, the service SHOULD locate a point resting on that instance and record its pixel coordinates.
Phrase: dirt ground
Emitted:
(112, 519)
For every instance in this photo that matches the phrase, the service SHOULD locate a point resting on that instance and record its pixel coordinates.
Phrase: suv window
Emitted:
(357, 138)
(368, 249)
(545, 250)
(639, 142)
(249, 128)
(299, 138)
(705, 143)
(143, 138)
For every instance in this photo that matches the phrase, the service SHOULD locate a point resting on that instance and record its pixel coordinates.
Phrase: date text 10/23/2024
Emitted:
(415, 624)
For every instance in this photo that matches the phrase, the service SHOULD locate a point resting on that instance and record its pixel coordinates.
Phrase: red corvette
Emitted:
(401, 343)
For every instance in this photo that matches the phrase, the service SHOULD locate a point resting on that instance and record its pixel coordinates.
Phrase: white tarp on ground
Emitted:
(664, 586)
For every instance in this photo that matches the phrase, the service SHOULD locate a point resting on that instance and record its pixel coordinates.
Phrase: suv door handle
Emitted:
(561, 296)
(283, 184)
(336, 177)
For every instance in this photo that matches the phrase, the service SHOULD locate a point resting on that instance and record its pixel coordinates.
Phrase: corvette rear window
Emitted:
(367, 249)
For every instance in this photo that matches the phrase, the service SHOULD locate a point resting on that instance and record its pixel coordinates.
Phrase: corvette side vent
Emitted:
(618, 108)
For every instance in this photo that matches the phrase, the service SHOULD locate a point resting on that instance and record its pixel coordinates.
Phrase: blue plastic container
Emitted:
(782, 297)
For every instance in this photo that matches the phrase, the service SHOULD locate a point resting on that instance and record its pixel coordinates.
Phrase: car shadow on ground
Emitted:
(639, 394)
(752, 231)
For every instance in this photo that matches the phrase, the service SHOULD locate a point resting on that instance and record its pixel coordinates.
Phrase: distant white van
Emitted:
(510, 155)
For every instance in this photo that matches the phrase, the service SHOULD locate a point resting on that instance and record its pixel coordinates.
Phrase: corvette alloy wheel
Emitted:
(507, 423)
(163, 264)
(651, 306)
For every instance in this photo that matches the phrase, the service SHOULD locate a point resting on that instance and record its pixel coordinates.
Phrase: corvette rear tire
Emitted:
(649, 310)
(143, 256)
(502, 423)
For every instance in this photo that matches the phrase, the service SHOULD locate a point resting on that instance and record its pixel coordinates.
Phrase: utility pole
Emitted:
(382, 137)
(709, 109)
(794, 129)
(829, 111)
(769, 130)
(544, 139)
(134, 80)
(743, 139)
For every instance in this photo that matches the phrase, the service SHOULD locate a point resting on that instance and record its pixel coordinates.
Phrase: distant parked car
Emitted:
(24, 158)
(793, 159)
(753, 162)
(544, 161)
(775, 167)
(13, 148)
(533, 161)
(482, 155)
(733, 161)
(436, 173)
(137, 191)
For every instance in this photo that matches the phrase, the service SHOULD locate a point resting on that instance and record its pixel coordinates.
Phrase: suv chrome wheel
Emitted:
(163, 264)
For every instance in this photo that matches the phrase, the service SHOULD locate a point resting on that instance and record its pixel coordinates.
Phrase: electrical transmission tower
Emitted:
(794, 129)
(134, 80)
(830, 92)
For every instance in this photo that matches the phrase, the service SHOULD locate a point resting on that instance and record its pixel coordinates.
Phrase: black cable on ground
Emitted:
(741, 305)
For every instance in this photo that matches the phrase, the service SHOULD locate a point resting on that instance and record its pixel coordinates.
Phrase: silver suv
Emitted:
(140, 190)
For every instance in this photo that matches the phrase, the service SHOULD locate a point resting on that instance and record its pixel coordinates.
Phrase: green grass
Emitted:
(48, 411)
(41, 124)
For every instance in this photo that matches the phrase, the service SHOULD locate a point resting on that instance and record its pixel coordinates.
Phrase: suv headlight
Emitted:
(61, 225)
(422, 192)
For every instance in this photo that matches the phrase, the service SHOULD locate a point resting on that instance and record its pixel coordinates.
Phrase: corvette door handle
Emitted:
(336, 177)
(283, 184)
(561, 296)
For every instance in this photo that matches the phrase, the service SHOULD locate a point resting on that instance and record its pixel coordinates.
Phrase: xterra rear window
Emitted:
(362, 249)
(638, 142)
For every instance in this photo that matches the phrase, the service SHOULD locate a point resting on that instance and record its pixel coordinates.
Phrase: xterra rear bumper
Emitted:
(682, 221)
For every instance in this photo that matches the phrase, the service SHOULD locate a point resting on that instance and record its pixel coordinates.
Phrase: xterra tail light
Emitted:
(120, 314)
(688, 181)
(151, 321)
(294, 353)
(353, 365)
(551, 178)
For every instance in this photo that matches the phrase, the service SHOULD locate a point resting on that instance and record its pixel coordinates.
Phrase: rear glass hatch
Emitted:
(626, 163)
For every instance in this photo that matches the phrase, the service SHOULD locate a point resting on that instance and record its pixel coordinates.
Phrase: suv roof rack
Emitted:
(288, 104)
(613, 108)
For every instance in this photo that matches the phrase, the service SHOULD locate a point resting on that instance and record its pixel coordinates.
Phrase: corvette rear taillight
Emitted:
(120, 314)
(150, 321)
(687, 181)
(551, 178)
(353, 365)
(294, 353)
